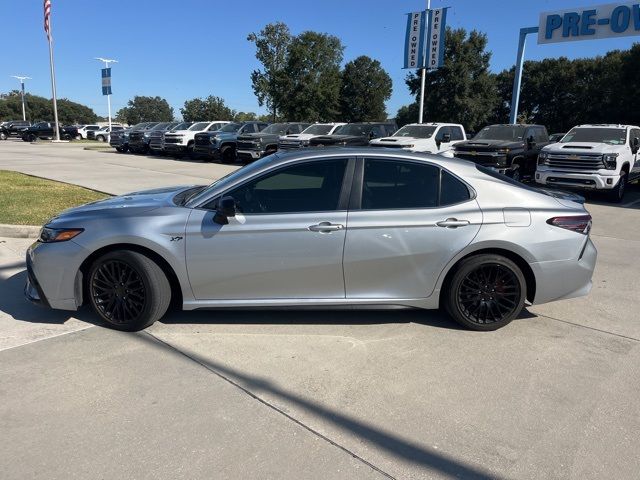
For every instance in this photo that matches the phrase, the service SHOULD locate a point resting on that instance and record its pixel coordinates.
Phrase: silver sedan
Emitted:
(322, 228)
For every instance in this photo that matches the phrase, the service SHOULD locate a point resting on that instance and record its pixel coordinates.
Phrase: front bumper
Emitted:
(250, 154)
(581, 181)
(32, 289)
(175, 148)
(208, 150)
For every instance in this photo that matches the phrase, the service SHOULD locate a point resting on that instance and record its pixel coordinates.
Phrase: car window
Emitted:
(456, 133)
(452, 190)
(308, 187)
(442, 132)
(389, 184)
(635, 133)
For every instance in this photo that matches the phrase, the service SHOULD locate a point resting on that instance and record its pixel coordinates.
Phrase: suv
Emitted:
(301, 140)
(181, 142)
(102, 135)
(46, 130)
(136, 133)
(423, 137)
(13, 128)
(509, 149)
(593, 157)
(83, 130)
(221, 145)
(253, 146)
(140, 140)
(355, 134)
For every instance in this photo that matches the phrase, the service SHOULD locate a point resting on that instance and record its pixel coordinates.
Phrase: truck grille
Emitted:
(247, 145)
(574, 162)
(172, 140)
(202, 140)
(156, 141)
(289, 144)
(135, 137)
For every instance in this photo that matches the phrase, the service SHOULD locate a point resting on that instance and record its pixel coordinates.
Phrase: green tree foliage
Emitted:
(210, 108)
(245, 117)
(41, 109)
(311, 78)
(462, 90)
(365, 88)
(145, 109)
(272, 46)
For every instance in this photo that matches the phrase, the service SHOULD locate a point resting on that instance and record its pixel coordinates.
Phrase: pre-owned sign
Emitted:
(590, 23)
(414, 40)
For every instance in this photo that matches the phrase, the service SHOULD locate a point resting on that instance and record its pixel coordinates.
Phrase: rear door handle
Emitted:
(452, 223)
(325, 227)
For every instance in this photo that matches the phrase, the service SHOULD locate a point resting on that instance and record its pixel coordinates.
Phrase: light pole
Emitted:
(22, 79)
(107, 61)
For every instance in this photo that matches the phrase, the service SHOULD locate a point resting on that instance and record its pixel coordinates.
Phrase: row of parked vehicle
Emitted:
(45, 130)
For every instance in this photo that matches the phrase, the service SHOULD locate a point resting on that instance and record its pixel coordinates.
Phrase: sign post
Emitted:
(106, 84)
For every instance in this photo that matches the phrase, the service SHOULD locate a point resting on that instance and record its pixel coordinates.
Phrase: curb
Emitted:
(19, 231)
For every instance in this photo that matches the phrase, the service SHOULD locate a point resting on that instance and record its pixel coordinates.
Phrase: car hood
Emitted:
(329, 139)
(583, 147)
(130, 204)
(397, 140)
(486, 144)
(258, 136)
(298, 136)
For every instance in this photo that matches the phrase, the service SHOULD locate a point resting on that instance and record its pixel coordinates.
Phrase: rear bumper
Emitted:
(581, 181)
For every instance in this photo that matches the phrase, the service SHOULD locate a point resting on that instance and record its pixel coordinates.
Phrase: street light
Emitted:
(107, 61)
(22, 79)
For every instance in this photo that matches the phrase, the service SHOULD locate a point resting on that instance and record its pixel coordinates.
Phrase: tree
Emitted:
(145, 109)
(365, 88)
(407, 114)
(312, 78)
(210, 108)
(245, 117)
(272, 45)
(41, 109)
(462, 90)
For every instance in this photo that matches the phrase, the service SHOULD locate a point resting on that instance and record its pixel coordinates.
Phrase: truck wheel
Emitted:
(515, 174)
(190, 150)
(3, 136)
(100, 138)
(32, 137)
(227, 154)
(617, 194)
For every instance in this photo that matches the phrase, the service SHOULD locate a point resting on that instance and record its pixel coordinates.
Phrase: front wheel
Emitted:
(3, 136)
(486, 292)
(128, 290)
(100, 138)
(515, 173)
(227, 154)
(617, 194)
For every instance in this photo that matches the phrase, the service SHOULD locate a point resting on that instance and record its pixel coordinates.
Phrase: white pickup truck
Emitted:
(424, 137)
(592, 157)
(182, 142)
(301, 140)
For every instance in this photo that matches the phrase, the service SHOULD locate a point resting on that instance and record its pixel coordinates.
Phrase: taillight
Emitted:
(578, 223)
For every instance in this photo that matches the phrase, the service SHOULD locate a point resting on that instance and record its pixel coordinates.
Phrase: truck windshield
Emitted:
(199, 126)
(181, 126)
(501, 132)
(415, 131)
(611, 136)
(160, 126)
(318, 129)
(231, 127)
(276, 128)
(354, 129)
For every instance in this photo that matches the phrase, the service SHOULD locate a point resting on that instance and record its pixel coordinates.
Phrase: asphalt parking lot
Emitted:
(354, 394)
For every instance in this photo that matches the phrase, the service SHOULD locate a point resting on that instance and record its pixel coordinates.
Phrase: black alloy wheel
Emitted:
(486, 292)
(118, 292)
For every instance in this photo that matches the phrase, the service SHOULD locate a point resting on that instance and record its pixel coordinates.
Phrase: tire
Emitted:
(227, 154)
(129, 309)
(3, 136)
(190, 151)
(617, 194)
(32, 137)
(121, 149)
(482, 309)
(100, 138)
(515, 173)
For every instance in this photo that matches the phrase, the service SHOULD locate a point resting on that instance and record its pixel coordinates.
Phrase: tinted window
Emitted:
(310, 187)
(452, 190)
(635, 133)
(442, 132)
(456, 133)
(612, 136)
(501, 132)
(389, 184)
(416, 131)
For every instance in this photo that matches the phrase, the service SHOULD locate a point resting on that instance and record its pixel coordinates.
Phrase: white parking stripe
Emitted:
(625, 205)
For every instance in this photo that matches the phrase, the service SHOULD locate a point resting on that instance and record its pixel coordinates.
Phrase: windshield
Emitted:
(356, 129)
(501, 132)
(318, 129)
(182, 126)
(231, 177)
(199, 126)
(231, 127)
(279, 128)
(611, 136)
(415, 131)
(160, 126)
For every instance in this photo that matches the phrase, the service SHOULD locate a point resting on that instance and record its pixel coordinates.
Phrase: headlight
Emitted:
(51, 235)
(213, 140)
(503, 150)
(542, 157)
(304, 143)
(408, 146)
(343, 143)
(610, 161)
(145, 135)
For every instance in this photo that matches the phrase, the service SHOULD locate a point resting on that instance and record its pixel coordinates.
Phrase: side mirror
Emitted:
(446, 138)
(226, 209)
(636, 145)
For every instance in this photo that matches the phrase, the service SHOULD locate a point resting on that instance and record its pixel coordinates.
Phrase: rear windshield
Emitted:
(611, 136)
(501, 132)
(415, 131)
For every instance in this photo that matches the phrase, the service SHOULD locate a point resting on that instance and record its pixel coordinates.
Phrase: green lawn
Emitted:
(26, 200)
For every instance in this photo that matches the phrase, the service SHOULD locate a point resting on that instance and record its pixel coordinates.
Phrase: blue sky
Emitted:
(192, 48)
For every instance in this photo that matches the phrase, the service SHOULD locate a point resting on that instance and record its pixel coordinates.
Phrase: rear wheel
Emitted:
(617, 194)
(128, 290)
(486, 292)
(100, 138)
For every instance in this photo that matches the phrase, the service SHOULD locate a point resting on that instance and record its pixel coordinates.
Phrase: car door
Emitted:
(406, 221)
(635, 153)
(286, 240)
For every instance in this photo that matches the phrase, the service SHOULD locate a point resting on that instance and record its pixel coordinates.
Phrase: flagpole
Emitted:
(424, 69)
(53, 83)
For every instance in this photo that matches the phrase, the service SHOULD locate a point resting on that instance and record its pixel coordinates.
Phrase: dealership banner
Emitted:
(435, 37)
(414, 41)
(590, 23)
(106, 81)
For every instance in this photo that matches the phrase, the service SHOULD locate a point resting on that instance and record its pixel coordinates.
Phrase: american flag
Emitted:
(47, 18)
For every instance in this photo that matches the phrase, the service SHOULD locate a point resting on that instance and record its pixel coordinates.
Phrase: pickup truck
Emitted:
(221, 145)
(301, 140)
(156, 137)
(102, 135)
(509, 149)
(182, 142)
(599, 157)
(355, 134)
(424, 137)
(139, 140)
(13, 128)
(46, 130)
(253, 146)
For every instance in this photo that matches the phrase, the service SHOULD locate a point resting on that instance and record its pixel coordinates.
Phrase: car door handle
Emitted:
(453, 223)
(324, 227)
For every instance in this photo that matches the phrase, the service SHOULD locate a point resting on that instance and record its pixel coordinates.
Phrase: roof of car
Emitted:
(605, 125)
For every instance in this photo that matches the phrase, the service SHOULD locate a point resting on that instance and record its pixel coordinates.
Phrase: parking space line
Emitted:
(47, 338)
(626, 337)
(625, 205)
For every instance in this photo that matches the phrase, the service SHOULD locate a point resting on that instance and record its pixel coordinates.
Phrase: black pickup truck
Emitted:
(12, 128)
(509, 149)
(45, 130)
(354, 134)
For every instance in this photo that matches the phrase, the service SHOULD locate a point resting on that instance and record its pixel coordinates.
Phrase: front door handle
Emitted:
(452, 223)
(325, 227)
